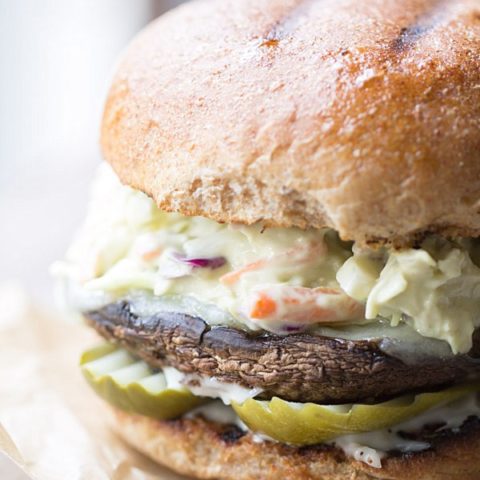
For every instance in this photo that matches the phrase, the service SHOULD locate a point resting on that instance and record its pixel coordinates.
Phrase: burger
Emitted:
(282, 250)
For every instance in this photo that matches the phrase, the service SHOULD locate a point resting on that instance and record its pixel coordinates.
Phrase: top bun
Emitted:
(359, 115)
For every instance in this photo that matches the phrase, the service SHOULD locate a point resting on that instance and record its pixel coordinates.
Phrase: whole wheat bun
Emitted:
(208, 450)
(359, 115)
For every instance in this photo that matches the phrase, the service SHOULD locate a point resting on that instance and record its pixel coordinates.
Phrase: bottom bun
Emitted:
(210, 450)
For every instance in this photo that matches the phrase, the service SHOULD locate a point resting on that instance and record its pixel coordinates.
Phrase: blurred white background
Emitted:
(57, 57)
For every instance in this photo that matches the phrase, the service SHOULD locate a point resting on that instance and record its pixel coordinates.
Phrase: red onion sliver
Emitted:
(214, 262)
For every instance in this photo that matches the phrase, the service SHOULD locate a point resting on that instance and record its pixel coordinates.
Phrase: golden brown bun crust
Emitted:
(360, 115)
(208, 450)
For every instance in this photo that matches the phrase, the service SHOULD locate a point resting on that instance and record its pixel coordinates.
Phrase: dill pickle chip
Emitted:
(131, 385)
(309, 423)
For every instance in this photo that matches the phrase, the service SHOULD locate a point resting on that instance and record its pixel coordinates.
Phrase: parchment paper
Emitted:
(51, 424)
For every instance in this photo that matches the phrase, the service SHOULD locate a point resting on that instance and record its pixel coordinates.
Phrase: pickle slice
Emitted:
(131, 385)
(309, 423)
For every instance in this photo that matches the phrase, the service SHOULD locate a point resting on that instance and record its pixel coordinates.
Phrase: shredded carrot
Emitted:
(314, 314)
(291, 301)
(306, 254)
(263, 307)
(150, 255)
(327, 290)
(232, 277)
(304, 305)
(355, 308)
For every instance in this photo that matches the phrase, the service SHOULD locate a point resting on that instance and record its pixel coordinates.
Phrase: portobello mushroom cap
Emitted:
(299, 367)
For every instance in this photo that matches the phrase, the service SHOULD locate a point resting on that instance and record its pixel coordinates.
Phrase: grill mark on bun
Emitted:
(424, 24)
(231, 435)
(287, 25)
(409, 36)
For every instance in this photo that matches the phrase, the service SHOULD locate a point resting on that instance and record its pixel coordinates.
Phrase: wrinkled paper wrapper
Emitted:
(51, 424)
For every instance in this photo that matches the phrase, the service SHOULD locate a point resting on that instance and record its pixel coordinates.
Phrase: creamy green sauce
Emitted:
(127, 244)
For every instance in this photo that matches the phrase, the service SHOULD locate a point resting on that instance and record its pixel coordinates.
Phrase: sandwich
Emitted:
(281, 252)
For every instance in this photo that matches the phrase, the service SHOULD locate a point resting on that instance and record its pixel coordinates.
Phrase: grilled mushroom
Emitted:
(300, 367)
